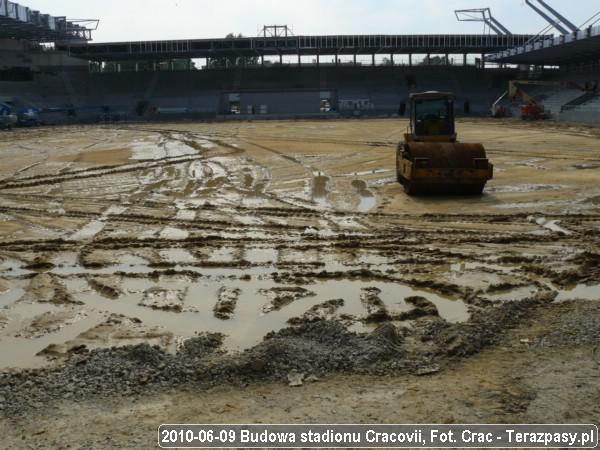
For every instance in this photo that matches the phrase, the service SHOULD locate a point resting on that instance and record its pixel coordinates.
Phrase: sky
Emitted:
(130, 20)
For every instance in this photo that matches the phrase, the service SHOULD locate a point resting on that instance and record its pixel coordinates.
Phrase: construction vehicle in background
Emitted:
(430, 160)
(530, 109)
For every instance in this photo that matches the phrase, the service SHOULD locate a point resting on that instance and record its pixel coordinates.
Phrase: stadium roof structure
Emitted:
(576, 47)
(295, 45)
(20, 22)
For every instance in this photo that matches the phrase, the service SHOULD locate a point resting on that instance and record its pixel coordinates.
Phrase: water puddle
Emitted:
(372, 259)
(248, 220)
(127, 264)
(580, 292)
(175, 234)
(218, 173)
(367, 202)
(367, 199)
(249, 323)
(321, 189)
(185, 214)
(384, 181)
(93, 228)
(346, 222)
(17, 351)
(145, 149)
(223, 254)
(181, 308)
(177, 256)
(9, 297)
(534, 163)
(166, 146)
(89, 231)
(469, 266)
(366, 173)
(513, 294)
(13, 268)
(198, 171)
(261, 255)
(114, 210)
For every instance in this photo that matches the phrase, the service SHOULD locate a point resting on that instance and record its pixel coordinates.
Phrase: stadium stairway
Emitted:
(556, 99)
(588, 112)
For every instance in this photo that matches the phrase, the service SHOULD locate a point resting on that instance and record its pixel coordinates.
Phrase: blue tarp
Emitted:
(4, 109)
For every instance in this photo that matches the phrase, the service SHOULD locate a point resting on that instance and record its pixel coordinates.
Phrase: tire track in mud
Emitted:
(457, 221)
(353, 142)
(205, 224)
(320, 181)
(411, 255)
(239, 134)
(280, 154)
(106, 170)
(133, 261)
(168, 133)
(372, 143)
(389, 239)
(570, 157)
(321, 184)
(96, 172)
(26, 168)
(394, 144)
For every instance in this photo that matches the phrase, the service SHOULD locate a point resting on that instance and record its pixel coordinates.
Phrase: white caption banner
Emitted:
(378, 436)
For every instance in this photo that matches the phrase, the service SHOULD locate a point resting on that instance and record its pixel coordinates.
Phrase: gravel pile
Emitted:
(576, 323)
(312, 349)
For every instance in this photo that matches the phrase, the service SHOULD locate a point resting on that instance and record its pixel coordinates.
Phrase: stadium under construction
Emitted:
(278, 74)
(290, 228)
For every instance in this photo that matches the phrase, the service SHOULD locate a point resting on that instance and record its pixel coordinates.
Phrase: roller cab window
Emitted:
(434, 117)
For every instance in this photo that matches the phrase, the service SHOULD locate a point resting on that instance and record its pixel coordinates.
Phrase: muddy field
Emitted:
(281, 252)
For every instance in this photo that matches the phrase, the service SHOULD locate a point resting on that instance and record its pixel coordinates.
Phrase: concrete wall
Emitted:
(587, 117)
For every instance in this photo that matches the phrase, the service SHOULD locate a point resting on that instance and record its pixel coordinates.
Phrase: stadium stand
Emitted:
(556, 99)
(587, 112)
(85, 82)
(278, 91)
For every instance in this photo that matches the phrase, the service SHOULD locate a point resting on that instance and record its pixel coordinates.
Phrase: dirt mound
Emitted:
(202, 346)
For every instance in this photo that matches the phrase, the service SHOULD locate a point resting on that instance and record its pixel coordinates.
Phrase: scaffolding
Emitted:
(482, 15)
(553, 17)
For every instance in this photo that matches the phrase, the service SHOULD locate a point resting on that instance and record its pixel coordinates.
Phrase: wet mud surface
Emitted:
(230, 253)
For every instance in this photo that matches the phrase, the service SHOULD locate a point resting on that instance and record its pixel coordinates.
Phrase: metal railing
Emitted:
(300, 45)
(547, 42)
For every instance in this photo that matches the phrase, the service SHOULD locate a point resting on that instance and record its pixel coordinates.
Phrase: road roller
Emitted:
(431, 160)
